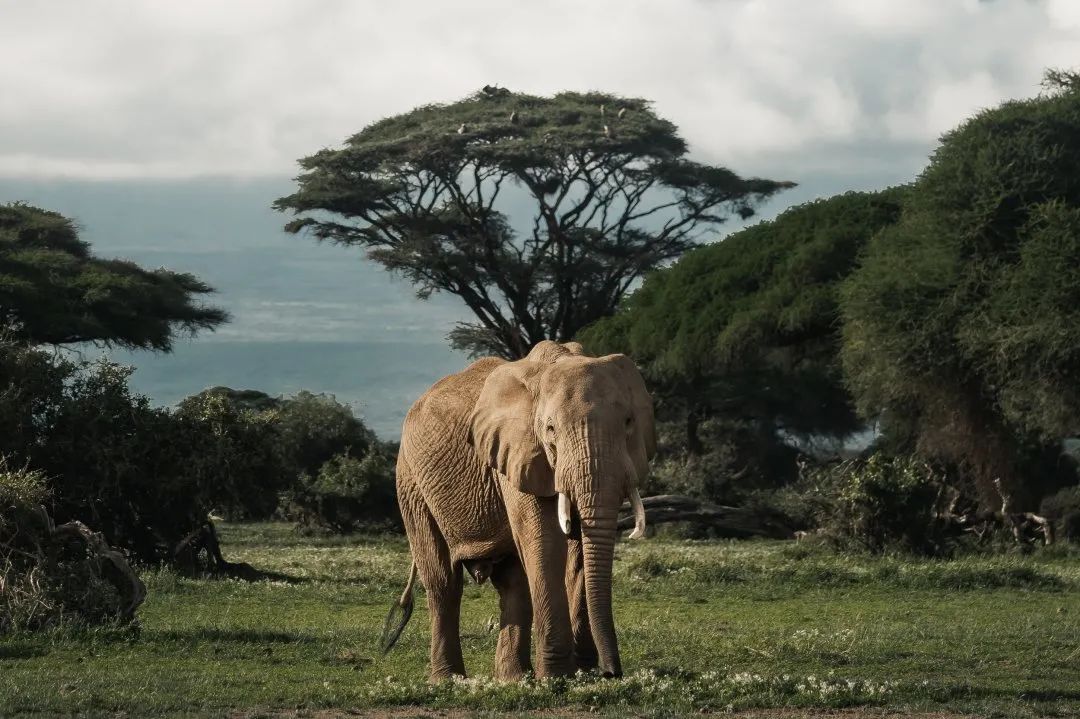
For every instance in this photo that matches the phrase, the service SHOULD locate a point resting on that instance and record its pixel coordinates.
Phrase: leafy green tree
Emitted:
(612, 193)
(741, 337)
(962, 325)
(112, 460)
(54, 291)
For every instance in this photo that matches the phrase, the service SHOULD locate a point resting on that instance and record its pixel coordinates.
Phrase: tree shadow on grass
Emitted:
(18, 650)
(244, 636)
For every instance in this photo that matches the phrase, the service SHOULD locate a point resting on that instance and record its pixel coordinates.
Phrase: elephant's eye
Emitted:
(629, 422)
(550, 429)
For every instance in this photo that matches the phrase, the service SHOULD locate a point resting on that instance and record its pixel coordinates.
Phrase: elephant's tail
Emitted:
(396, 625)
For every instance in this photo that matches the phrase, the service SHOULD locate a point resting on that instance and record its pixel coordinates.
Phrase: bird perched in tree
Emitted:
(622, 112)
(601, 110)
(461, 130)
(513, 118)
(607, 131)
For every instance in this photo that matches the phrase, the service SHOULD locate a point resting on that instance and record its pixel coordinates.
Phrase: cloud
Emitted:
(109, 89)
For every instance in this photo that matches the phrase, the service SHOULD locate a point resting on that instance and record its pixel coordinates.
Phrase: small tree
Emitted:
(612, 192)
(54, 291)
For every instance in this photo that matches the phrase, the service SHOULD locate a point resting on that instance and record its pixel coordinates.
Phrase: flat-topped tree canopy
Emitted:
(53, 290)
(613, 193)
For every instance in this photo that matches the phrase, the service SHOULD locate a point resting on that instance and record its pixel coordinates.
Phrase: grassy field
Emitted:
(703, 626)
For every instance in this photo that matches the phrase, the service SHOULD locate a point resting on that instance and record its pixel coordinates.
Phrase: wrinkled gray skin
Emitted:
(484, 455)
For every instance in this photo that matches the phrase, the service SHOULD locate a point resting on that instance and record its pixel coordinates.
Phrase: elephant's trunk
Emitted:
(598, 526)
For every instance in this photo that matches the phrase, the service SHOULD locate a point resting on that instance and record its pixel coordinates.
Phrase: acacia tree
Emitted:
(962, 323)
(54, 291)
(613, 193)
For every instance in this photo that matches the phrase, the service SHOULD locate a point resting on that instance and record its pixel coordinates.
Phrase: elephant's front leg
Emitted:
(542, 548)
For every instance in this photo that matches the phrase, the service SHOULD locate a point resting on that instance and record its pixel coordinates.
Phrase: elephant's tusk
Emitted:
(639, 514)
(564, 513)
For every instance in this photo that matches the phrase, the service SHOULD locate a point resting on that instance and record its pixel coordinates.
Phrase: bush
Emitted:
(347, 493)
(261, 447)
(737, 459)
(1063, 508)
(876, 503)
(236, 455)
(112, 460)
(55, 575)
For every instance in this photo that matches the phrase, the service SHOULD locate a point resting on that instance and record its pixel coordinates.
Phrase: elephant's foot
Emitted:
(555, 664)
(443, 673)
(512, 653)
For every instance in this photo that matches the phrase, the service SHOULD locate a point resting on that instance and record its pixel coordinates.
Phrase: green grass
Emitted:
(702, 625)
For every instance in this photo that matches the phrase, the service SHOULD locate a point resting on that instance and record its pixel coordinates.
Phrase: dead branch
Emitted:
(728, 521)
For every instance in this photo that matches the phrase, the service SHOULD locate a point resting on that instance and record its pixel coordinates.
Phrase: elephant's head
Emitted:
(582, 428)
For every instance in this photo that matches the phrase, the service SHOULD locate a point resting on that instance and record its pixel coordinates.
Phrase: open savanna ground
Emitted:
(770, 628)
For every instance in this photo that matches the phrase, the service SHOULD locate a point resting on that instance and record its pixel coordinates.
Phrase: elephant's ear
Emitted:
(502, 428)
(643, 441)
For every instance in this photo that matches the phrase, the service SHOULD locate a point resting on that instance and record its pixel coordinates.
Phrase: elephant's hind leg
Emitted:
(512, 655)
(441, 579)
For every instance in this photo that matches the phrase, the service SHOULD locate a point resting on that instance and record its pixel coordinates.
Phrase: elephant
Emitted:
(514, 471)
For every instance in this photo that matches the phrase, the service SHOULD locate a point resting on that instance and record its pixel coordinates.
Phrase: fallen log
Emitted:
(735, 522)
(200, 552)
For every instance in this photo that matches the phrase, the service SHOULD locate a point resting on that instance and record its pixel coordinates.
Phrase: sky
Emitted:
(789, 89)
(166, 129)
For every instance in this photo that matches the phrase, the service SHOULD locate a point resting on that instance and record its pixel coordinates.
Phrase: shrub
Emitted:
(877, 503)
(736, 460)
(55, 575)
(235, 455)
(346, 494)
(1063, 508)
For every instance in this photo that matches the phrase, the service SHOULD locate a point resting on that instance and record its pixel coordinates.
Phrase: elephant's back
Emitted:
(449, 401)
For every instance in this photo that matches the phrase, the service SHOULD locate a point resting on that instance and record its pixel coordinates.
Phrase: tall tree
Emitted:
(962, 325)
(612, 192)
(54, 291)
(745, 332)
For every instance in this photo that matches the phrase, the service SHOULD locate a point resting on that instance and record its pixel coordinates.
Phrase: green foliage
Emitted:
(347, 493)
(887, 502)
(1063, 508)
(21, 488)
(113, 461)
(316, 428)
(613, 197)
(762, 300)
(146, 477)
(877, 503)
(236, 456)
(962, 324)
(309, 453)
(744, 334)
(737, 459)
(53, 290)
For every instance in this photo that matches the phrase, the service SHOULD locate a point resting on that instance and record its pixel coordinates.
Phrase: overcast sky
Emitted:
(100, 89)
